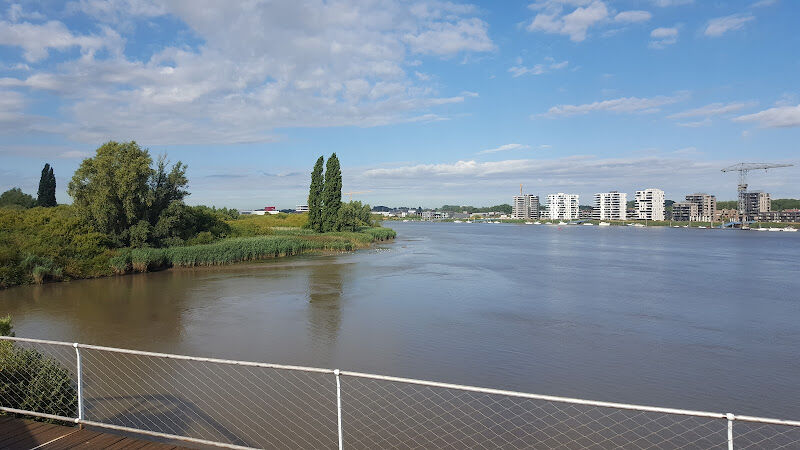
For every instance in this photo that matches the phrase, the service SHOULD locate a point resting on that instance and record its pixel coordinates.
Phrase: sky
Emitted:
(425, 102)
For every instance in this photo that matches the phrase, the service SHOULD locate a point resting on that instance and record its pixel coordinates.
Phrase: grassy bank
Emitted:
(233, 250)
(41, 245)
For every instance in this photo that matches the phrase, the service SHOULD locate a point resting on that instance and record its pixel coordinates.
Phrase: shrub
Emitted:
(32, 381)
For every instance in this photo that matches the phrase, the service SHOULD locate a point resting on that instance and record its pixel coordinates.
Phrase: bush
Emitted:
(31, 381)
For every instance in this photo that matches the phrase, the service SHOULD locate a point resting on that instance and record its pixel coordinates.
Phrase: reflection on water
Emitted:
(325, 285)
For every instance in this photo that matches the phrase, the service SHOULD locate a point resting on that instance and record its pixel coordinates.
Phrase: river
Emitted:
(686, 318)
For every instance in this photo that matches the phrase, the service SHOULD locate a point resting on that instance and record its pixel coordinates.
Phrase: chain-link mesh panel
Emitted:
(384, 414)
(754, 435)
(234, 404)
(39, 377)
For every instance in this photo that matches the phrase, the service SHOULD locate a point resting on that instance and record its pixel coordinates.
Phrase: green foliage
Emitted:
(266, 224)
(15, 198)
(315, 201)
(47, 188)
(117, 189)
(353, 216)
(332, 194)
(728, 204)
(31, 381)
(780, 204)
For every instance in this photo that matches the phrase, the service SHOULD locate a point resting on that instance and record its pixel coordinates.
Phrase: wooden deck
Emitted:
(27, 434)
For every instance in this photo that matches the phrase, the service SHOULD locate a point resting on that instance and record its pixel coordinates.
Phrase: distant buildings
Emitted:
(525, 207)
(260, 212)
(562, 206)
(301, 208)
(650, 204)
(755, 203)
(610, 205)
(706, 207)
(684, 211)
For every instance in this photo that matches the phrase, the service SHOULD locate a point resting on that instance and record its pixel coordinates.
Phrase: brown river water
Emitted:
(695, 319)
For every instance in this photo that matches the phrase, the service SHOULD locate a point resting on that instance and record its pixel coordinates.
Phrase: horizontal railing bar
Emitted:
(38, 414)
(790, 423)
(203, 359)
(35, 341)
(163, 435)
(550, 398)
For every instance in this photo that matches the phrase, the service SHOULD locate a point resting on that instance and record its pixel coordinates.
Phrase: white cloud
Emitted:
(778, 117)
(721, 25)
(504, 148)
(617, 105)
(763, 3)
(666, 3)
(696, 124)
(713, 109)
(662, 37)
(538, 69)
(305, 63)
(633, 16)
(37, 40)
(574, 24)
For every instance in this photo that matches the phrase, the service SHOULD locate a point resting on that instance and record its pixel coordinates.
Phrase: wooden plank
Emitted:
(101, 441)
(73, 440)
(127, 443)
(41, 436)
(23, 429)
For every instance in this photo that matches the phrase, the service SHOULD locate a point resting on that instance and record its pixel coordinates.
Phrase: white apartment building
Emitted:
(609, 205)
(650, 204)
(525, 207)
(562, 206)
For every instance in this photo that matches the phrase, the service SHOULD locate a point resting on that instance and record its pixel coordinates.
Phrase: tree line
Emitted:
(46, 195)
(326, 211)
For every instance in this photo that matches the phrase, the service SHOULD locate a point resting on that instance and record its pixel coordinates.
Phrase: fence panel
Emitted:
(754, 435)
(39, 376)
(228, 403)
(388, 414)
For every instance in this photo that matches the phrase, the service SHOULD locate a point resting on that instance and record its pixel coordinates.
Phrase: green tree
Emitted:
(47, 188)
(15, 198)
(117, 189)
(332, 194)
(315, 197)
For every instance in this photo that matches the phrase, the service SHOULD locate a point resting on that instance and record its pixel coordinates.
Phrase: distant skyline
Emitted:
(425, 102)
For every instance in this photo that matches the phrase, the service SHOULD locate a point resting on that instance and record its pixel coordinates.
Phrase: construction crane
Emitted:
(354, 192)
(743, 169)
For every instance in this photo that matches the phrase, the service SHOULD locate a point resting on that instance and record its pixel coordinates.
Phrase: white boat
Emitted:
(405, 220)
(638, 225)
(469, 221)
(774, 229)
(790, 229)
(588, 224)
(457, 221)
(537, 223)
(676, 226)
(702, 227)
(528, 223)
(604, 224)
(686, 226)
(562, 223)
(761, 229)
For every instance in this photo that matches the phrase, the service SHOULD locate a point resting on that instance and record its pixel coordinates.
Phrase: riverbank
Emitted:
(650, 223)
(42, 245)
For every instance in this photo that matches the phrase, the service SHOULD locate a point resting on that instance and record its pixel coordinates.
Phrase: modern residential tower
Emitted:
(650, 204)
(525, 207)
(610, 205)
(562, 206)
(706, 207)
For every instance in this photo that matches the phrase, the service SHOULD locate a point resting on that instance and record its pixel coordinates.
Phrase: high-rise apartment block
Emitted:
(706, 207)
(755, 203)
(562, 206)
(525, 207)
(650, 204)
(610, 205)
(684, 211)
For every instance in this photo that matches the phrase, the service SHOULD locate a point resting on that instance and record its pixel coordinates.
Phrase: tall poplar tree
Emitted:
(315, 196)
(47, 187)
(332, 195)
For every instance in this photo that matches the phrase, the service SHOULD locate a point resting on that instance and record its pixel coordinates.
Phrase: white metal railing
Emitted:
(240, 404)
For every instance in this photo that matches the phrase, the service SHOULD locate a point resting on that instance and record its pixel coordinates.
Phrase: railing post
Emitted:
(80, 383)
(339, 406)
(730, 418)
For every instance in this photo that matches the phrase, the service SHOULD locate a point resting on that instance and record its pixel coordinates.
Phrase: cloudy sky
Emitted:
(426, 102)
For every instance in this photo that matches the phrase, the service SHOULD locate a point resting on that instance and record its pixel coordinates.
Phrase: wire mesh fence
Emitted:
(239, 404)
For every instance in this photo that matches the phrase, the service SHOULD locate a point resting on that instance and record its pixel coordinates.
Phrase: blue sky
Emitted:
(425, 102)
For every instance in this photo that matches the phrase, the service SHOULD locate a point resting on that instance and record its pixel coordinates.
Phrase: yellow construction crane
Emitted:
(354, 192)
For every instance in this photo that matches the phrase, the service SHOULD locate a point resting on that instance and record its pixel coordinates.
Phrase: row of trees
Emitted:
(326, 212)
(15, 198)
